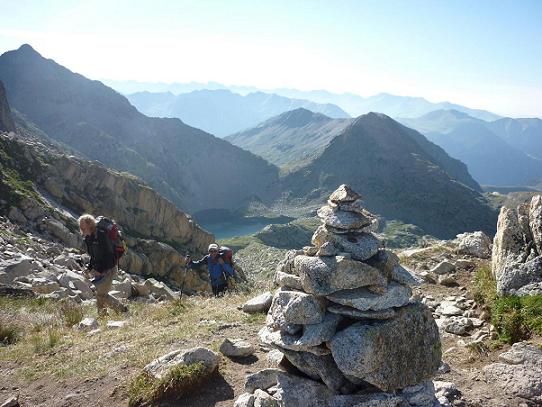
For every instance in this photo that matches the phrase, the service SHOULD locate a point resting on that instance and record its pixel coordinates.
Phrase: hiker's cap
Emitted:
(213, 246)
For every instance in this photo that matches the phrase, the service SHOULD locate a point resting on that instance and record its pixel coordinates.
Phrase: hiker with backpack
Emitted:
(102, 240)
(219, 270)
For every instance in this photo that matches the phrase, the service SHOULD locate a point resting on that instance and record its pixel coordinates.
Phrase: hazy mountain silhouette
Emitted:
(222, 112)
(524, 134)
(491, 160)
(190, 167)
(398, 177)
(354, 105)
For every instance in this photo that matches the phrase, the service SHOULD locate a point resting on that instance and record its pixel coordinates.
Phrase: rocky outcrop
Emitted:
(6, 121)
(517, 249)
(45, 191)
(475, 244)
(349, 326)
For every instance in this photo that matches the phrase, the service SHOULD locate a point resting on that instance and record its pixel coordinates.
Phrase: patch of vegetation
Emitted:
(179, 381)
(402, 235)
(44, 341)
(71, 313)
(9, 333)
(239, 242)
(515, 318)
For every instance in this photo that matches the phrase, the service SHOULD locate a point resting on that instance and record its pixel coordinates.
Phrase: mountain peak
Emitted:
(26, 49)
(299, 117)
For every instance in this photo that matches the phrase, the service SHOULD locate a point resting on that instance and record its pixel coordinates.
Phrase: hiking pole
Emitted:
(187, 258)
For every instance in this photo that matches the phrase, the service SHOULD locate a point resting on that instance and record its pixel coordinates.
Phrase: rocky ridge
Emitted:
(44, 191)
(344, 319)
(517, 249)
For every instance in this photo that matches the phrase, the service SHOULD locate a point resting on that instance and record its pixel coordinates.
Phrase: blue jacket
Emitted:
(217, 271)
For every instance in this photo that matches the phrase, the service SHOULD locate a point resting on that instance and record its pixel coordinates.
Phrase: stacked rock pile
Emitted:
(345, 323)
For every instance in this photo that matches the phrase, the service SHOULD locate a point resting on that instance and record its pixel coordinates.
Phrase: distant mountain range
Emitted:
(506, 152)
(355, 105)
(401, 174)
(222, 112)
(190, 167)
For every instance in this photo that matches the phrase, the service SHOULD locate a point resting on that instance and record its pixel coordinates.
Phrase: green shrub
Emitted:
(9, 333)
(179, 381)
(517, 318)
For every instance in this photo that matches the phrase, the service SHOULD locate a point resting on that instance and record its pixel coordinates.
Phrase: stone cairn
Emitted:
(344, 322)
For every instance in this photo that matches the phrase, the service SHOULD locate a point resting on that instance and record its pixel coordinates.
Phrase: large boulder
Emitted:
(18, 266)
(326, 275)
(158, 368)
(391, 354)
(476, 244)
(364, 299)
(517, 249)
(295, 307)
(261, 303)
(519, 372)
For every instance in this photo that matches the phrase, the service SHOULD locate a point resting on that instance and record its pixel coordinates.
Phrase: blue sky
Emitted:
(483, 54)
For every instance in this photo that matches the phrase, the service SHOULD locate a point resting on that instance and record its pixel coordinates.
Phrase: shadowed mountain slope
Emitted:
(399, 179)
(180, 162)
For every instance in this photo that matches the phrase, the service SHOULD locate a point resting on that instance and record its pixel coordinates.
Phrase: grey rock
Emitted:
(236, 348)
(316, 334)
(295, 307)
(159, 367)
(519, 372)
(263, 379)
(458, 325)
(263, 399)
(344, 194)
(244, 400)
(18, 266)
(535, 221)
(444, 267)
(325, 275)
(420, 395)
(318, 368)
(361, 246)
(274, 357)
(261, 303)
(397, 295)
(448, 308)
(448, 390)
(343, 220)
(283, 340)
(368, 400)
(116, 324)
(327, 249)
(514, 276)
(357, 314)
(475, 244)
(287, 281)
(286, 265)
(372, 352)
(88, 324)
(295, 391)
(160, 290)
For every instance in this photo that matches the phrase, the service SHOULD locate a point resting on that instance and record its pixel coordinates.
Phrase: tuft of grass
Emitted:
(43, 343)
(257, 319)
(485, 286)
(71, 313)
(179, 381)
(9, 333)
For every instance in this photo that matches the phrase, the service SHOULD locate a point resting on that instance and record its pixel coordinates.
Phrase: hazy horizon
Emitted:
(483, 55)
